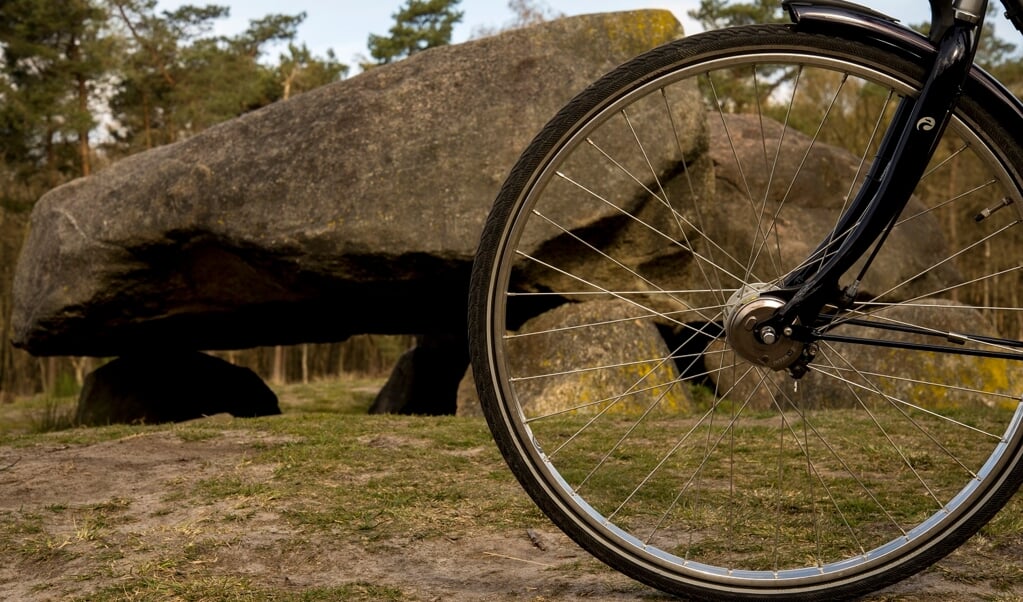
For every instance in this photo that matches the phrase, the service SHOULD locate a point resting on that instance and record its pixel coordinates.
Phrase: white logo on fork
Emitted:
(926, 124)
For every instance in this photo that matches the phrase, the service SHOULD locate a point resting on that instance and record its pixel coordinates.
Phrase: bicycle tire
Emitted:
(628, 401)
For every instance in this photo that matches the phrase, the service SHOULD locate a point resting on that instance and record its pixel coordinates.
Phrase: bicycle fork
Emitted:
(779, 328)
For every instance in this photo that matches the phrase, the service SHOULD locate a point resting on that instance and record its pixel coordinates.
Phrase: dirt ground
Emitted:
(132, 483)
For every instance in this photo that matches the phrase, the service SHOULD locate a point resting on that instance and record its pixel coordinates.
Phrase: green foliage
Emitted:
(178, 79)
(54, 55)
(75, 74)
(299, 71)
(418, 25)
(999, 56)
(715, 14)
(156, 76)
(996, 54)
(271, 28)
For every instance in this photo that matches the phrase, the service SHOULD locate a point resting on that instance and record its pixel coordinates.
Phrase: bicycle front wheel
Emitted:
(623, 269)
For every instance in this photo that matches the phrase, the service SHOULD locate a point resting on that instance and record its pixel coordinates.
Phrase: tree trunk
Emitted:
(84, 151)
(277, 375)
(288, 82)
(74, 53)
(81, 366)
(48, 375)
(53, 173)
(147, 126)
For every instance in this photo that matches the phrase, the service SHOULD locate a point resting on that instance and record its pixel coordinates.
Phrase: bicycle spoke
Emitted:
(834, 371)
(667, 237)
(631, 365)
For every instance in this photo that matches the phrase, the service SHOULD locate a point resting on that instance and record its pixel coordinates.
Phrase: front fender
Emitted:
(851, 21)
(942, 12)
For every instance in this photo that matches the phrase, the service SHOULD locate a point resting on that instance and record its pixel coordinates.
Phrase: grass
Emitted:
(322, 472)
(39, 414)
(323, 485)
(48, 414)
(765, 493)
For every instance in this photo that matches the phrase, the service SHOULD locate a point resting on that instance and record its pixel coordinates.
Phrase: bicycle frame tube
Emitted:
(1014, 12)
(903, 156)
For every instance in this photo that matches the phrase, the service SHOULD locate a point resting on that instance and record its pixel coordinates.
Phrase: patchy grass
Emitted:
(346, 396)
(38, 414)
(326, 503)
(46, 414)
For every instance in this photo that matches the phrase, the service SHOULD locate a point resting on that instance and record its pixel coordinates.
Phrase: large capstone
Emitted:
(354, 208)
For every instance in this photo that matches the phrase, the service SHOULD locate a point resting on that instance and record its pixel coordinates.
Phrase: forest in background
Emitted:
(84, 83)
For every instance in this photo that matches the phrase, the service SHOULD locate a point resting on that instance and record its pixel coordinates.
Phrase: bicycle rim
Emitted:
(620, 263)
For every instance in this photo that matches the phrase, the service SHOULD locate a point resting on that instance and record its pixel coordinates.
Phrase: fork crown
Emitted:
(903, 156)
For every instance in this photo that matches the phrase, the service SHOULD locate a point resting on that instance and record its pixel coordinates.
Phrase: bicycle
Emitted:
(744, 316)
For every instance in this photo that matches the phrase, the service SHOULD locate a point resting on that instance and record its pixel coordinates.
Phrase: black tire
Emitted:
(634, 239)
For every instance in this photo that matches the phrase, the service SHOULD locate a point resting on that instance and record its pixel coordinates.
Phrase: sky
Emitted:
(344, 25)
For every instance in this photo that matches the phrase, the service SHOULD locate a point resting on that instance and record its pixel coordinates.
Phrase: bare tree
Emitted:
(524, 14)
(531, 12)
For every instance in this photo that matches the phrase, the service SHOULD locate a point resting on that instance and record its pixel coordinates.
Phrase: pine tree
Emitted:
(418, 25)
(55, 56)
(179, 79)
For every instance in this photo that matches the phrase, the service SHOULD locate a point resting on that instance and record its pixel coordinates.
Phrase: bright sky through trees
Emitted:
(345, 26)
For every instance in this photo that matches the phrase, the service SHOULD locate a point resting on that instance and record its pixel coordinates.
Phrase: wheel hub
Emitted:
(746, 315)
